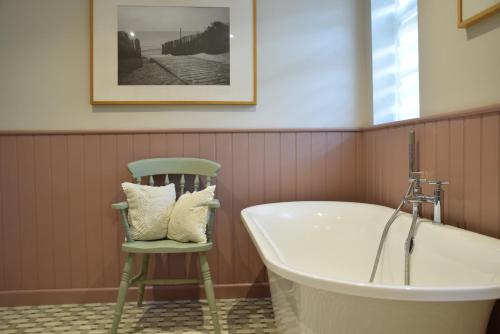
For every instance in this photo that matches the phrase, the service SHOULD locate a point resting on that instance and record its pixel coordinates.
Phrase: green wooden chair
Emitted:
(147, 169)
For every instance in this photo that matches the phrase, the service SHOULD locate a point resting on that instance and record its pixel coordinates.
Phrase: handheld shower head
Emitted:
(411, 153)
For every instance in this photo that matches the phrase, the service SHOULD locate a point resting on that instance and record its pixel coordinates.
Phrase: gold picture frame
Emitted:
(251, 74)
(464, 23)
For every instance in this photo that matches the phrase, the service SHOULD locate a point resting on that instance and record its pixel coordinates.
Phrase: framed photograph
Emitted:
(173, 52)
(473, 11)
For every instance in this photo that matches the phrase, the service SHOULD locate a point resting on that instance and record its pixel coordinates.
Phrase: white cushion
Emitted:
(149, 210)
(188, 221)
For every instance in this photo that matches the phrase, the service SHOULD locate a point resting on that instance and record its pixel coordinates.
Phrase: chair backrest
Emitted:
(175, 166)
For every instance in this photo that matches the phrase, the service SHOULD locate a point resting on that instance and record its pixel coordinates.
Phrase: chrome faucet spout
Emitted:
(414, 196)
(438, 201)
(424, 199)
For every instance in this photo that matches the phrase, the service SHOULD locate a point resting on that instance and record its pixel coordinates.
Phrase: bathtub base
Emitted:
(301, 309)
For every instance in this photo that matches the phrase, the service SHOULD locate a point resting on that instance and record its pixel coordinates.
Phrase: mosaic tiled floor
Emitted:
(249, 316)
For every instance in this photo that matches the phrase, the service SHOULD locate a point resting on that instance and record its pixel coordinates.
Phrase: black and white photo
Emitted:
(147, 52)
(172, 45)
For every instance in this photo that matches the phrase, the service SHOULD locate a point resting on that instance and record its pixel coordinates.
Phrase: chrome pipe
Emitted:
(386, 231)
(410, 242)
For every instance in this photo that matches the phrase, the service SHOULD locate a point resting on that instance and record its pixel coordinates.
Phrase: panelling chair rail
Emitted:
(166, 167)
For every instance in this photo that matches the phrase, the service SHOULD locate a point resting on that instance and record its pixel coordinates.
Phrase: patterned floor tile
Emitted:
(253, 316)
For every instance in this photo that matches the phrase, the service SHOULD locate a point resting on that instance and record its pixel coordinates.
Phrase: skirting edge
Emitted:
(108, 295)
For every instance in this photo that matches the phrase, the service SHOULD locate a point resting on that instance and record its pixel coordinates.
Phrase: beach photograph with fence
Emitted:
(169, 45)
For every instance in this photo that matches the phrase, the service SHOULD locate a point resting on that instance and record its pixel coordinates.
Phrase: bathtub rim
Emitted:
(272, 261)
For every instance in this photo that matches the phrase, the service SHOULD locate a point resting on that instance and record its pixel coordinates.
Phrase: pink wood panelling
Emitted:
(348, 166)
(456, 187)
(60, 232)
(241, 146)
(109, 185)
(369, 166)
(76, 209)
(45, 220)
(288, 168)
(490, 174)
(27, 213)
(60, 213)
(272, 174)
(2, 217)
(224, 228)
(11, 237)
(318, 165)
(385, 173)
(3, 264)
(464, 151)
(472, 174)
(62, 185)
(360, 168)
(334, 166)
(92, 214)
(379, 173)
(380, 184)
(304, 179)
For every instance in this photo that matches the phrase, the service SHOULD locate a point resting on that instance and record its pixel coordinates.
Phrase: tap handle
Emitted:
(421, 181)
(415, 201)
(438, 182)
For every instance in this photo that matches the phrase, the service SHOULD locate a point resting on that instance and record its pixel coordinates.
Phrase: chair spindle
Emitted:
(196, 183)
(182, 184)
(138, 180)
(209, 181)
(167, 181)
(151, 181)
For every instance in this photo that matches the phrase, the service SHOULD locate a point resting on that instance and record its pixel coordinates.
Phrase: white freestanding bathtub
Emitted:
(319, 257)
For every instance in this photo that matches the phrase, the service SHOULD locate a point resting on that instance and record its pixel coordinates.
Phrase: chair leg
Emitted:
(144, 272)
(209, 291)
(122, 293)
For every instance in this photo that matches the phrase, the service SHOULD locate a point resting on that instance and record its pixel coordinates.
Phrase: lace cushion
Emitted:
(149, 210)
(188, 221)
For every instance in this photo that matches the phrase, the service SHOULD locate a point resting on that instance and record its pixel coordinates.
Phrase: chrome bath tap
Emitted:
(436, 199)
(417, 199)
(414, 196)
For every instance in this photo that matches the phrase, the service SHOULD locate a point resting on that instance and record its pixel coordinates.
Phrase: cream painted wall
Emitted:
(312, 71)
(459, 69)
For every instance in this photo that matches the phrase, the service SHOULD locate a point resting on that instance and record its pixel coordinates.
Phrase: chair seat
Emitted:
(165, 246)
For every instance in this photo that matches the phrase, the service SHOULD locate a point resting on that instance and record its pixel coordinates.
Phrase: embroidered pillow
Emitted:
(149, 210)
(188, 221)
